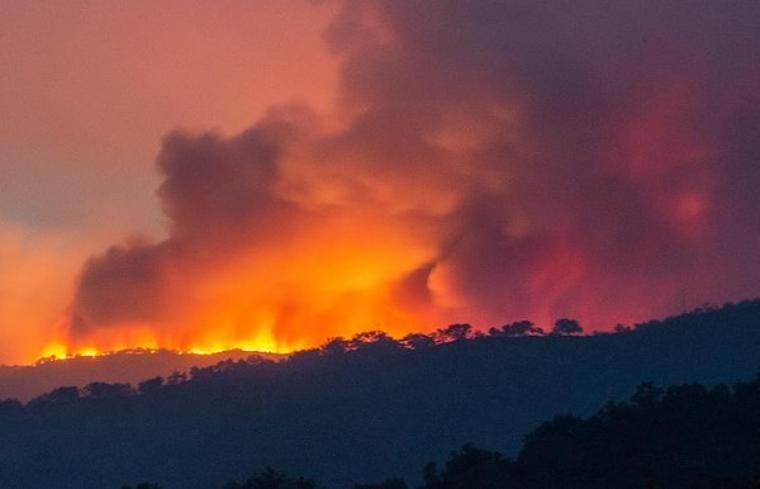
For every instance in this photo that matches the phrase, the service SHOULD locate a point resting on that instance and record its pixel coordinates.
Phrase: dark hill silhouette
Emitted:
(358, 410)
(682, 437)
(130, 366)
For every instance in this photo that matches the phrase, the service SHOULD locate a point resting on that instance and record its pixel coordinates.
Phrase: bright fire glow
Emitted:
(424, 175)
(277, 300)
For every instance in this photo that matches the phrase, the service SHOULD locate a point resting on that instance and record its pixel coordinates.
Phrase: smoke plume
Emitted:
(486, 161)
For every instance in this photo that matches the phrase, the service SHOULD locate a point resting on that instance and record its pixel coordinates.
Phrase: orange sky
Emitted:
(88, 89)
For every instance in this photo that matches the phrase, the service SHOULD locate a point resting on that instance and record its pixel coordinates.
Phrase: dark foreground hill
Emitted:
(682, 437)
(359, 410)
(26, 382)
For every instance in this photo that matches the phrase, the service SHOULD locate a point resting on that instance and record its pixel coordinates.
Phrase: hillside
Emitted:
(679, 437)
(26, 382)
(361, 410)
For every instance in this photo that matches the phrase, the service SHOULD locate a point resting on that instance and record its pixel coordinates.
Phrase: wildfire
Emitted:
(59, 351)
(336, 290)
(262, 343)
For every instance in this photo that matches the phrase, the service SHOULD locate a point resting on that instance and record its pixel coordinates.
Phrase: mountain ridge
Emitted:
(24, 382)
(356, 411)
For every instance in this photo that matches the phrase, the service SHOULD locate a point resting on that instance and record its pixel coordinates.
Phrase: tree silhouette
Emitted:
(454, 332)
(336, 346)
(150, 386)
(622, 328)
(176, 378)
(61, 395)
(470, 468)
(566, 327)
(103, 390)
(518, 328)
(375, 340)
(418, 341)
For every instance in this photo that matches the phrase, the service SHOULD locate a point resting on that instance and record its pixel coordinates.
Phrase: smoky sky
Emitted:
(520, 159)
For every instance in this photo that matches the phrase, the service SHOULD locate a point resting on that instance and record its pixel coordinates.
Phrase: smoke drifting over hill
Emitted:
(486, 161)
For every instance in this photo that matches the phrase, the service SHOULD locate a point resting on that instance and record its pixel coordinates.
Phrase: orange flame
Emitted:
(278, 300)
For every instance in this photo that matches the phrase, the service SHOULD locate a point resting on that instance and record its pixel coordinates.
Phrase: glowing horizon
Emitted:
(326, 168)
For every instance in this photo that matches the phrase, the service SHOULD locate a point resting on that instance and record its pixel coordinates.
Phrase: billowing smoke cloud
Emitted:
(487, 161)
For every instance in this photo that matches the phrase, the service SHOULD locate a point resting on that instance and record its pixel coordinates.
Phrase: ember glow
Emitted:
(480, 162)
